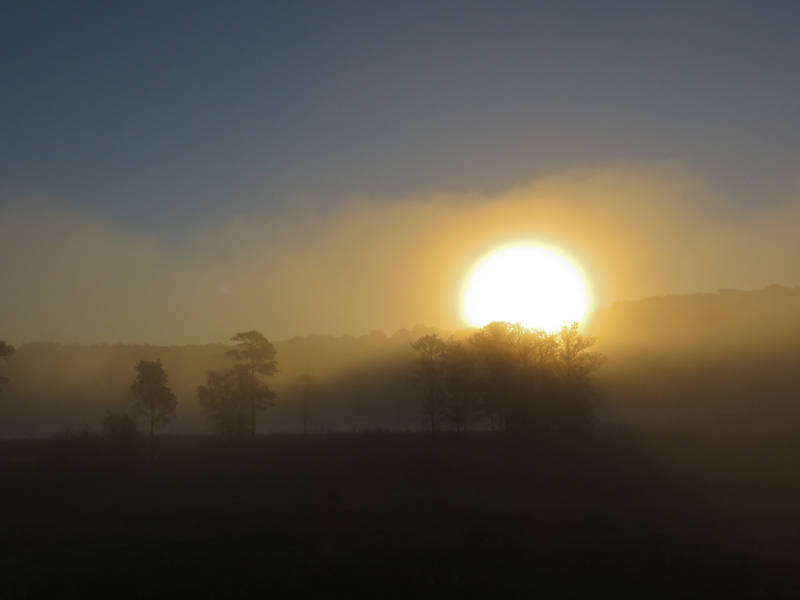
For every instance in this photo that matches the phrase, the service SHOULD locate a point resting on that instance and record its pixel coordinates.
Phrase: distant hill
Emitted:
(695, 353)
(668, 357)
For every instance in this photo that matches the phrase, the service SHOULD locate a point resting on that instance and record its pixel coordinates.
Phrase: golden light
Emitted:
(525, 284)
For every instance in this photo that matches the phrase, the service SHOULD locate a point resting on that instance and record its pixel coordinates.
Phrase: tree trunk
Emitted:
(252, 418)
(253, 401)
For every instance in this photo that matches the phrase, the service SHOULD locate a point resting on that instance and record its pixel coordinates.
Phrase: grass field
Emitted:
(708, 510)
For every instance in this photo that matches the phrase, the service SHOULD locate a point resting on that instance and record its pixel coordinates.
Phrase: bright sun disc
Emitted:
(527, 285)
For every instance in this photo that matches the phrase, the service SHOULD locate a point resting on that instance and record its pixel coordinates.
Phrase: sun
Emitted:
(526, 284)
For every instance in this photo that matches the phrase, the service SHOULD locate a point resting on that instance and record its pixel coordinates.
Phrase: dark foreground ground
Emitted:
(709, 509)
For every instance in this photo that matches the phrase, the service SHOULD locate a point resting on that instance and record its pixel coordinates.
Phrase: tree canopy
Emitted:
(256, 351)
(257, 355)
(151, 397)
(229, 398)
(429, 373)
(521, 379)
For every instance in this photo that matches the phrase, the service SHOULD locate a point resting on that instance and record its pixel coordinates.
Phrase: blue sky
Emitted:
(174, 172)
(169, 115)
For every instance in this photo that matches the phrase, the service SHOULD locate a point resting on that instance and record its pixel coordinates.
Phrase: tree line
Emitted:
(504, 377)
(231, 399)
(520, 380)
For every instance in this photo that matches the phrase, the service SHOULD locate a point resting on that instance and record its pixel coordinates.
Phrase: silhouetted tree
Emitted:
(225, 408)
(521, 341)
(429, 375)
(6, 351)
(152, 398)
(258, 354)
(461, 406)
(306, 386)
(533, 380)
(575, 366)
(228, 399)
(544, 349)
(122, 438)
(498, 370)
(123, 425)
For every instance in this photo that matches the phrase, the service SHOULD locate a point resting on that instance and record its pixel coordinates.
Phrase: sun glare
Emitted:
(528, 285)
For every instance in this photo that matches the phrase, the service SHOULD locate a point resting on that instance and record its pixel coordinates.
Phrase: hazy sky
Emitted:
(177, 171)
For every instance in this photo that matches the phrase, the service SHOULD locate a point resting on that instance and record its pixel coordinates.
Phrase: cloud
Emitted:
(636, 231)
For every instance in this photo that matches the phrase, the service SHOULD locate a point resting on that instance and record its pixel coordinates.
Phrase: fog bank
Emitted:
(635, 230)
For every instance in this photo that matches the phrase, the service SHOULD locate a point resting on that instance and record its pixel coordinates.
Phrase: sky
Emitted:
(176, 172)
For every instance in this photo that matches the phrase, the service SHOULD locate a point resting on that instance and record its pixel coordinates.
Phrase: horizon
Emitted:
(585, 324)
(728, 351)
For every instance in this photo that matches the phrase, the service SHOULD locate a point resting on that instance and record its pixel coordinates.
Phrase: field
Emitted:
(702, 509)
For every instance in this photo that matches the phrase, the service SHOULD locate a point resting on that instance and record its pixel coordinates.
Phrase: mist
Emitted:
(635, 231)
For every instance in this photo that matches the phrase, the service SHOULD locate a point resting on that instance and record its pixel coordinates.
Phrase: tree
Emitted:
(6, 351)
(305, 385)
(225, 408)
(118, 425)
(461, 403)
(575, 366)
(255, 351)
(121, 438)
(152, 398)
(576, 363)
(498, 369)
(533, 380)
(429, 374)
(228, 397)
